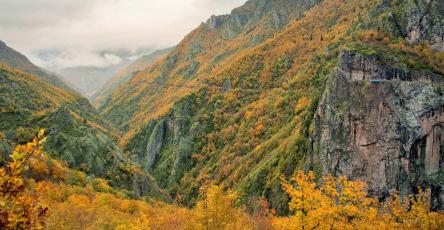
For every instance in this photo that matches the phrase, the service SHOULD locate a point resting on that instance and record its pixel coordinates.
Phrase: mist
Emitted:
(99, 33)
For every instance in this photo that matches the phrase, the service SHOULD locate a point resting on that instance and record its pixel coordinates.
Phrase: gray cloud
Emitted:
(26, 14)
(66, 33)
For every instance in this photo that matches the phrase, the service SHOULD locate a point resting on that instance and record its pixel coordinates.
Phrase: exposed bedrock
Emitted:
(382, 123)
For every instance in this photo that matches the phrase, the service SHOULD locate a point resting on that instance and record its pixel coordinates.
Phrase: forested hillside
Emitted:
(214, 43)
(241, 109)
(283, 114)
(75, 133)
(52, 196)
(17, 60)
(124, 75)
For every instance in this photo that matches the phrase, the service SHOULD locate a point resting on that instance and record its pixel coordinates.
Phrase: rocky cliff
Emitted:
(381, 122)
(418, 20)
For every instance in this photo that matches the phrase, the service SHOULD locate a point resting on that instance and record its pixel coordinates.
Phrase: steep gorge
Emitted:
(349, 87)
(344, 94)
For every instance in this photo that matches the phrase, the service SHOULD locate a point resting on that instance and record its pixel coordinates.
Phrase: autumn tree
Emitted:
(18, 209)
(217, 210)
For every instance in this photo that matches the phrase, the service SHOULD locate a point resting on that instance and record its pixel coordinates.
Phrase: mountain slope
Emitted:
(196, 58)
(246, 114)
(75, 133)
(243, 118)
(17, 60)
(124, 75)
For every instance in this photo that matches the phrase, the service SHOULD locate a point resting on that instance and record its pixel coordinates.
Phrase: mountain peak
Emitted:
(272, 14)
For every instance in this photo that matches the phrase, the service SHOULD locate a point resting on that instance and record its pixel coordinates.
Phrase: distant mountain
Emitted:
(17, 60)
(88, 80)
(126, 73)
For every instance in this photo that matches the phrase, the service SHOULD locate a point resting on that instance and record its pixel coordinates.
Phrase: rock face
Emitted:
(420, 20)
(154, 144)
(414, 20)
(382, 123)
(276, 14)
(164, 146)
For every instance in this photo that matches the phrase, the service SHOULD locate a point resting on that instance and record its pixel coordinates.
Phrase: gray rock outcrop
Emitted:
(382, 122)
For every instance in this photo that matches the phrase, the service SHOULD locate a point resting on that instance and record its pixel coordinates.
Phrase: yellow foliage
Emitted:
(217, 211)
(337, 203)
(18, 209)
(327, 203)
(303, 103)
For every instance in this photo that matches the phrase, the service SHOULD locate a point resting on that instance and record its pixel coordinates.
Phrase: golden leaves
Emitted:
(338, 203)
(302, 103)
(18, 209)
(217, 211)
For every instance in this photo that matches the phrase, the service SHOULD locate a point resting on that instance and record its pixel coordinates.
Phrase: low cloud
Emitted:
(58, 34)
(57, 60)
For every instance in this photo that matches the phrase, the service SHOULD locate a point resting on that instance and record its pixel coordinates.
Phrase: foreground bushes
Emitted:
(325, 203)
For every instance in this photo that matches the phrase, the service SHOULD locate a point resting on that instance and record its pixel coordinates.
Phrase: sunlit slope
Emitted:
(243, 117)
(248, 119)
(124, 75)
(28, 100)
(214, 43)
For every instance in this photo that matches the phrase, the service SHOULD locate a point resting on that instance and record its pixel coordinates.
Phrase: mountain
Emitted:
(213, 44)
(125, 75)
(75, 132)
(88, 80)
(352, 88)
(17, 60)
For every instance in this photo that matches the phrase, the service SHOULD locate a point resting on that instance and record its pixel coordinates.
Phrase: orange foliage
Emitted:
(303, 103)
(18, 209)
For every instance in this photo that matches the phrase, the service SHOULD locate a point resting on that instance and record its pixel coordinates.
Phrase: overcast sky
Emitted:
(65, 33)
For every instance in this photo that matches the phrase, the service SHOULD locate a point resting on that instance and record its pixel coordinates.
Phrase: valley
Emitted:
(282, 114)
